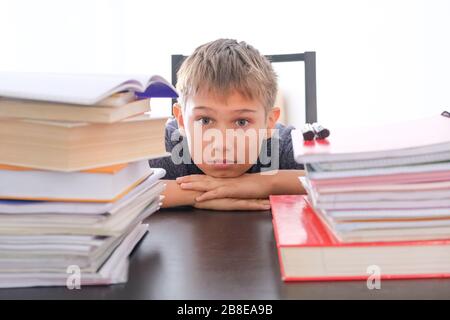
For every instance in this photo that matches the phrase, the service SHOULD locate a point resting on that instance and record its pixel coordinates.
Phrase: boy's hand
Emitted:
(230, 204)
(247, 186)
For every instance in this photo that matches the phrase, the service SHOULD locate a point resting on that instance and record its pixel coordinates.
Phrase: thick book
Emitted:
(105, 185)
(74, 146)
(308, 250)
(43, 110)
(426, 136)
(80, 88)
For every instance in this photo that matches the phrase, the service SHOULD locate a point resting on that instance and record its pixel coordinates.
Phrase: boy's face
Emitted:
(224, 137)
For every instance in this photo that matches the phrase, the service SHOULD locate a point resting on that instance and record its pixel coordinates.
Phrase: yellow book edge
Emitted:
(112, 169)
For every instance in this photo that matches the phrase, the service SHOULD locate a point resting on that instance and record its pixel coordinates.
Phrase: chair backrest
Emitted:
(308, 57)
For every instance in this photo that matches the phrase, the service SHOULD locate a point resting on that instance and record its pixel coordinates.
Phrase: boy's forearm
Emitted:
(174, 196)
(251, 186)
(285, 182)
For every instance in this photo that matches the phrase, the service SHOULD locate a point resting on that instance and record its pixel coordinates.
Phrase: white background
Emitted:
(377, 61)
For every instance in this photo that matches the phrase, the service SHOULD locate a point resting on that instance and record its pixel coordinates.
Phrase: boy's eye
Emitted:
(204, 121)
(242, 122)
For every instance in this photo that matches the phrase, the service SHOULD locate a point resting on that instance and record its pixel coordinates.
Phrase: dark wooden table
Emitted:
(198, 254)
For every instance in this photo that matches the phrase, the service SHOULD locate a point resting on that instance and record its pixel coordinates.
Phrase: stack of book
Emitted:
(75, 184)
(376, 197)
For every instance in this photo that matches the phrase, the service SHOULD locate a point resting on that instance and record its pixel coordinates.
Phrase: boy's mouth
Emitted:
(221, 164)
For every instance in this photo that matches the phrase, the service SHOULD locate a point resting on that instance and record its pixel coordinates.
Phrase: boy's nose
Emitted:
(224, 143)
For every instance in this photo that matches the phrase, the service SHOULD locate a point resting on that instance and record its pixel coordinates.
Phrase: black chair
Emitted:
(308, 57)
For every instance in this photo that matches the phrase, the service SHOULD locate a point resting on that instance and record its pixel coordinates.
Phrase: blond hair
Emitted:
(225, 65)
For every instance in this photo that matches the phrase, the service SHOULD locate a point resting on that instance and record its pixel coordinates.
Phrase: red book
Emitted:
(308, 251)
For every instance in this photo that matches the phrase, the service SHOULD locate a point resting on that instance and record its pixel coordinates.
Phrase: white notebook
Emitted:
(29, 184)
(405, 139)
(114, 270)
(80, 208)
(381, 163)
(410, 169)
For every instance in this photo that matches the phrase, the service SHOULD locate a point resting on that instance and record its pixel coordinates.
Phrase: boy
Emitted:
(227, 151)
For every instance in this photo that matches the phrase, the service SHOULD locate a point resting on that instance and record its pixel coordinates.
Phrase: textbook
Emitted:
(105, 185)
(84, 89)
(72, 146)
(308, 251)
(41, 110)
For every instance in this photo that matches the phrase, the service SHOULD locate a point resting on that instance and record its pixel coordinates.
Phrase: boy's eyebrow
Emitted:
(235, 111)
(244, 110)
(204, 108)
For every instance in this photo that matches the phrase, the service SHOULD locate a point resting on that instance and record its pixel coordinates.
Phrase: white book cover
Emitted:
(405, 139)
(80, 208)
(30, 184)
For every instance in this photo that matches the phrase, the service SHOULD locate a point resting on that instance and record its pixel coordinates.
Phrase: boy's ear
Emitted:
(272, 118)
(178, 114)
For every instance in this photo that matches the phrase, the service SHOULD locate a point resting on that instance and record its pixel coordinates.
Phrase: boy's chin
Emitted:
(225, 171)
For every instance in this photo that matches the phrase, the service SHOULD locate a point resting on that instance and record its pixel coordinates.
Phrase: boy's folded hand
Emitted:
(247, 186)
(230, 204)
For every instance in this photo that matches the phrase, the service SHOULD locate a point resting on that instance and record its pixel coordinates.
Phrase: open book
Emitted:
(80, 89)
